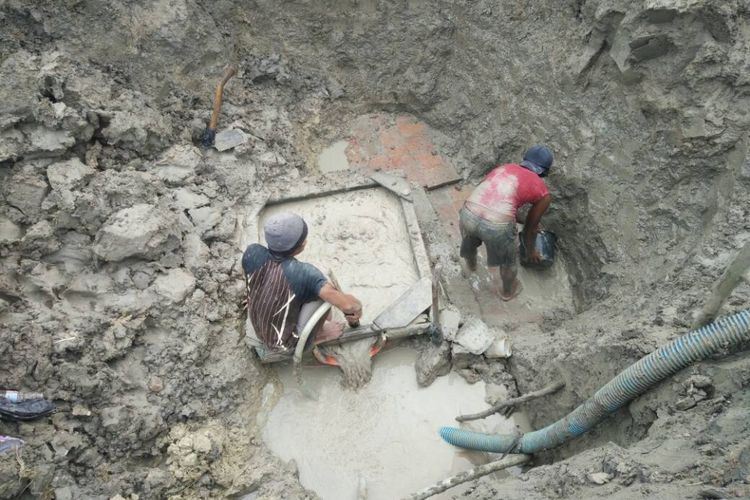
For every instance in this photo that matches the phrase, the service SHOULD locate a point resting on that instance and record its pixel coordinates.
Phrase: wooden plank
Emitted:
(421, 259)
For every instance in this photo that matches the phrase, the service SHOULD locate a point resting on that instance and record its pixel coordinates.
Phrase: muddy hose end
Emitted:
(208, 137)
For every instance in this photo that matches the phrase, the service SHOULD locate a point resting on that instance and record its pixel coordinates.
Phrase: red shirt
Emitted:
(508, 187)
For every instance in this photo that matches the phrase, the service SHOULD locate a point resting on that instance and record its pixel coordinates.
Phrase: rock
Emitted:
(699, 381)
(685, 403)
(64, 493)
(228, 139)
(137, 231)
(9, 232)
(272, 159)
(599, 477)
(90, 284)
(25, 190)
(450, 319)
(178, 164)
(157, 479)
(433, 362)
(185, 199)
(474, 337)
(202, 443)
(69, 174)
(495, 393)
(80, 411)
(46, 140)
(155, 384)
(204, 218)
(196, 253)
(40, 238)
(144, 132)
(11, 144)
(111, 417)
(176, 285)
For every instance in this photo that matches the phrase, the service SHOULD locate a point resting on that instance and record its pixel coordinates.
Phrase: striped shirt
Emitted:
(276, 290)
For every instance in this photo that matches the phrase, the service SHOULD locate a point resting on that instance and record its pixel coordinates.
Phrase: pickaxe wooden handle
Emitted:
(210, 133)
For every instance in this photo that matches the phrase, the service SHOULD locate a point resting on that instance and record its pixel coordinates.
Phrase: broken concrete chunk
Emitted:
(433, 362)
(80, 411)
(144, 132)
(494, 393)
(204, 218)
(40, 238)
(90, 284)
(185, 199)
(196, 253)
(699, 381)
(69, 174)
(11, 144)
(47, 140)
(176, 285)
(178, 164)
(9, 232)
(474, 337)
(599, 478)
(228, 139)
(25, 190)
(137, 231)
(685, 403)
(450, 319)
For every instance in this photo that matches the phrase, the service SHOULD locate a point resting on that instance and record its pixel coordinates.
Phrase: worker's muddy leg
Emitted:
(468, 224)
(511, 286)
(326, 329)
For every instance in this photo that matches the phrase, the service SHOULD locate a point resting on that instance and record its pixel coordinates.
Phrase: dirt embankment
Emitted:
(119, 276)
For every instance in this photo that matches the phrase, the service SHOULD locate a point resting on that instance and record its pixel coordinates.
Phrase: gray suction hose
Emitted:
(630, 383)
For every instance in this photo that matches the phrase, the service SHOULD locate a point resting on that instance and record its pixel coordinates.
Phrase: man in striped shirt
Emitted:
(283, 292)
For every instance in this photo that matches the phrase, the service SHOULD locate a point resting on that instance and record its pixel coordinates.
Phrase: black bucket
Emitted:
(546, 245)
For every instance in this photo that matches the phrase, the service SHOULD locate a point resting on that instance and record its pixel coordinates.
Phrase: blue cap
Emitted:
(538, 159)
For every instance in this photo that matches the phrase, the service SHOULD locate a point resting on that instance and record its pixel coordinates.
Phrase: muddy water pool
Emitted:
(383, 436)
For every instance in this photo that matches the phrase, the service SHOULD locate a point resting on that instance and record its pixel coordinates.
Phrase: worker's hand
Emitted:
(353, 317)
(534, 257)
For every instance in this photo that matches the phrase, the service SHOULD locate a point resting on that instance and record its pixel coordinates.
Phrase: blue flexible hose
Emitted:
(630, 383)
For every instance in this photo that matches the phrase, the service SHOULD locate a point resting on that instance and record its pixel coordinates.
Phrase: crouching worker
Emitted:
(283, 293)
(489, 216)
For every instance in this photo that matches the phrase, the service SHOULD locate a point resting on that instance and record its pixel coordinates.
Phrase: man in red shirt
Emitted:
(489, 215)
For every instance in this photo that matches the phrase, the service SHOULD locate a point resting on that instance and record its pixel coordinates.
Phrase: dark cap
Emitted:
(538, 159)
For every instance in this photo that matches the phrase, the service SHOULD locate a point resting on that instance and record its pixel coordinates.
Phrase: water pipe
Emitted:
(321, 311)
(630, 383)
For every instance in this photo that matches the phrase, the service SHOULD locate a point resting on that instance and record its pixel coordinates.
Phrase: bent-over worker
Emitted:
(489, 216)
(283, 293)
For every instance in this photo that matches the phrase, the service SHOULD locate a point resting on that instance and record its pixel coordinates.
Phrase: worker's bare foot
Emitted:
(516, 289)
(330, 330)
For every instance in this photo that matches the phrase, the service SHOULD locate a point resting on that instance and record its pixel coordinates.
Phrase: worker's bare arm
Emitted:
(532, 226)
(351, 307)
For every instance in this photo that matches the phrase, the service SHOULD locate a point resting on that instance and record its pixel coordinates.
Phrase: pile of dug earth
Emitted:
(120, 277)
